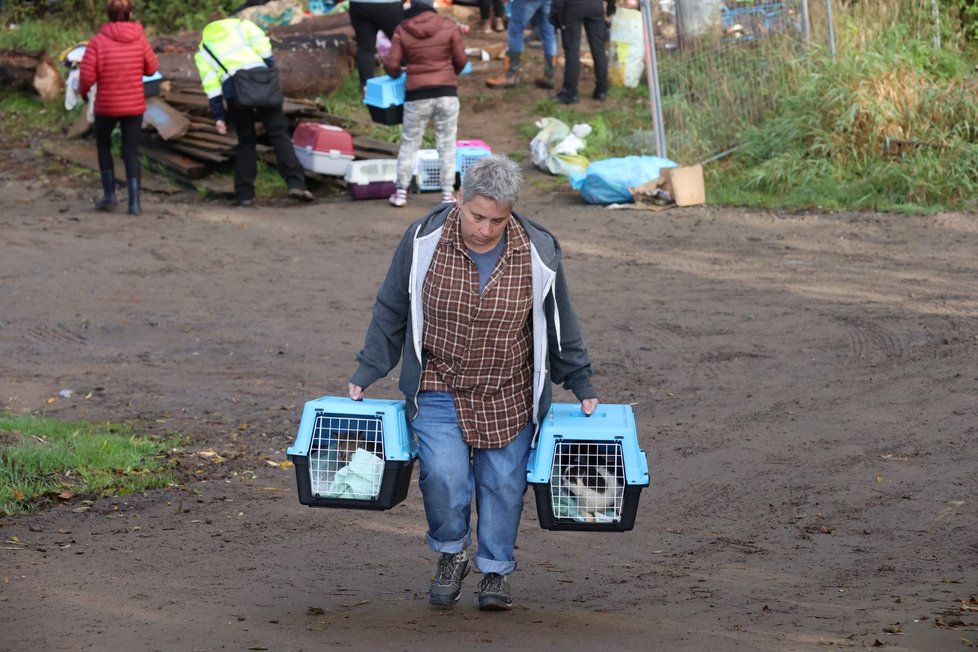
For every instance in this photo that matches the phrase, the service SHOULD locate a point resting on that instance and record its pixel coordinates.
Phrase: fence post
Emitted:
(652, 75)
(806, 23)
(831, 28)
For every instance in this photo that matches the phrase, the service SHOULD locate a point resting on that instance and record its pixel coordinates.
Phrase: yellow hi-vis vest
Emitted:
(238, 44)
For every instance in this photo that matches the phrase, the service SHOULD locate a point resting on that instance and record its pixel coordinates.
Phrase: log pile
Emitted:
(31, 70)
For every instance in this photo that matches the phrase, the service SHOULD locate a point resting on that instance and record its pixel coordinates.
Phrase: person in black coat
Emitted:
(569, 16)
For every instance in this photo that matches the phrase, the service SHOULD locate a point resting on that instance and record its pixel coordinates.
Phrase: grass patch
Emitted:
(44, 460)
(51, 35)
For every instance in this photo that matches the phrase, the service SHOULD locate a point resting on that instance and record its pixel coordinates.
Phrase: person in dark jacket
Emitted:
(569, 16)
(431, 47)
(116, 59)
(476, 308)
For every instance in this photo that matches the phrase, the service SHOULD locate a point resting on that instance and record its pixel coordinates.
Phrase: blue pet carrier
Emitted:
(384, 97)
(588, 472)
(466, 155)
(353, 454)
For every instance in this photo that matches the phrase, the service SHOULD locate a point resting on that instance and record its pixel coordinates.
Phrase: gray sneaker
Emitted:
(494, 594)
(447, 585)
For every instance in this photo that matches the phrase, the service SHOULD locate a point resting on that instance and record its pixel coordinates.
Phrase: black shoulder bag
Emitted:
(254, 88)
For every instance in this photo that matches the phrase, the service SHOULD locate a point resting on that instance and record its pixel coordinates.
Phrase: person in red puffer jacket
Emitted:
(116, 59)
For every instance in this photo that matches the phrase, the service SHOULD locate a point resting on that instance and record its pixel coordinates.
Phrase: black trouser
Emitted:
(590, 14)
(246, 154)
(367, 19)
(495, 5)
(130, 126)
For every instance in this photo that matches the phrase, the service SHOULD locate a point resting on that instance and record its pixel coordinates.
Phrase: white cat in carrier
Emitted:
(587, 472)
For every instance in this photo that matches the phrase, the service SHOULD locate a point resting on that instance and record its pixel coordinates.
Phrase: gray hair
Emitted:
(494, 177)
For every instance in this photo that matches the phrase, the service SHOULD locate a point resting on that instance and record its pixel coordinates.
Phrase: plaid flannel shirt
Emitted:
(479, 347)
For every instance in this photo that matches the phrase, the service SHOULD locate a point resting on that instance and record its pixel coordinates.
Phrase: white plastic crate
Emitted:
(427, 170)
(587, 472)
(372, 178)
(353, 454)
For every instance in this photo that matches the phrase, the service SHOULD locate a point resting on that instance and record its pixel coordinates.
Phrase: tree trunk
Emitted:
(31, 70)
(308, 66)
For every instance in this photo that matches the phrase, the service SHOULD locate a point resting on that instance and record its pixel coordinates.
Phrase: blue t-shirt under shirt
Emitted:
(486, 262)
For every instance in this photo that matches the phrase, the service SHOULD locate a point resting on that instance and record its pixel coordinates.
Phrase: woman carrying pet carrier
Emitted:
(476, 306)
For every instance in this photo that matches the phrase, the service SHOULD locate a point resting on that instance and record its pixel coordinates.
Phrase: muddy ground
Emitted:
(804, 386)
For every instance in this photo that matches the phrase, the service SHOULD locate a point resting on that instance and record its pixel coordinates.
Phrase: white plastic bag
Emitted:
(553, 135)
(626, 58)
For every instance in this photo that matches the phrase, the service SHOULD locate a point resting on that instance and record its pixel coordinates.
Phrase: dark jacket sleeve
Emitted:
(570, 365)
(459, 58)
(384, 341)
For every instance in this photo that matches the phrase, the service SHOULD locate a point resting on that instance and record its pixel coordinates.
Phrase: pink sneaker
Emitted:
(399, 198)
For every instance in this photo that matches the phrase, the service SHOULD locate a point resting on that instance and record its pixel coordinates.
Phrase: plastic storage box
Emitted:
(473, 143)
(323, 148)
(427, 170)
(353, 454)
(587, 472)
(372, 178)
(151, 84)
(466, 155)
(384, 98)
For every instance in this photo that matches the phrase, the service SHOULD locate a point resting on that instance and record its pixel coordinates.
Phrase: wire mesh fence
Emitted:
(724, 66)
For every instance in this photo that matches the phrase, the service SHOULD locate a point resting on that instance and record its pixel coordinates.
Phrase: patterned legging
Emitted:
(443, 112)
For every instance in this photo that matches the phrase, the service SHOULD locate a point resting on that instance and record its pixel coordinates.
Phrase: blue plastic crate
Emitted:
(384, 92)
(587, 472)
(465, 156)
(353, 454)
(766, 17)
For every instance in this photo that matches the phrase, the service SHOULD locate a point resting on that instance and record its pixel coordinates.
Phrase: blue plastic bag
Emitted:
(607, 181)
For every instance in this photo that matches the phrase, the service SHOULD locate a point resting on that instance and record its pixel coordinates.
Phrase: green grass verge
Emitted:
(43, 460)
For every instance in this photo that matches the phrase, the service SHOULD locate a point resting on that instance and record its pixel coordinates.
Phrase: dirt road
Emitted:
(804, 387)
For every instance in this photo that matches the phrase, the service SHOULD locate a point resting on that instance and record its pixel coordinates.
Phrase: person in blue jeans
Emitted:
(475, 307)
(521, 14)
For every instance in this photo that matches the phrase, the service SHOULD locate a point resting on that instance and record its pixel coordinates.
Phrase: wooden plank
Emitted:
(388, 150)
(206, 145)
(197, 152)
(169, 122)
(85, 155)
(182, 165)
(212, 136)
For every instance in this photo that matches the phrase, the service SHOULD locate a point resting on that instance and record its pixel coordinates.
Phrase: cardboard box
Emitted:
(685, 184)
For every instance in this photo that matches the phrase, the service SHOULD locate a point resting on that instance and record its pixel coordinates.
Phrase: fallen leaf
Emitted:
(14, 540)
(66, 495)
(272, 489)
(315, 611)
(359, 603)
(896, 629)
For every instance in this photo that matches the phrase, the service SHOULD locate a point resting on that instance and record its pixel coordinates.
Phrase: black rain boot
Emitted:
(133, 185)
(107, 201)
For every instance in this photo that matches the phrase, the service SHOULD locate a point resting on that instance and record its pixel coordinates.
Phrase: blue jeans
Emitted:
(451, 471)
(521, 13)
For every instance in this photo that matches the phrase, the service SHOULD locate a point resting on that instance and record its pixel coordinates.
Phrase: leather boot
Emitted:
(511, 72)
(133, 185)
(107, 201)
(547, 79)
